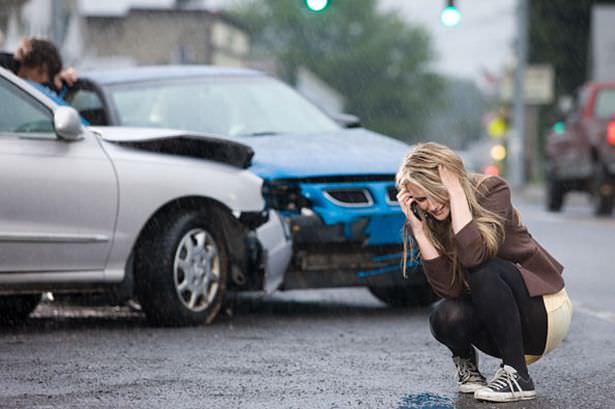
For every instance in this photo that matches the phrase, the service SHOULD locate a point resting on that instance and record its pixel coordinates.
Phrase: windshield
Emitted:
(605, 103)
(224, 106)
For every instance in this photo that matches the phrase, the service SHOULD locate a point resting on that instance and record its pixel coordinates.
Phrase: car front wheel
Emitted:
(14, 309)
(182, 268)
(603, 197)
(555, 194)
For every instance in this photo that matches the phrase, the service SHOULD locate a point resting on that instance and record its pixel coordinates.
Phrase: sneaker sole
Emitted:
(504, 397)
(466, 388)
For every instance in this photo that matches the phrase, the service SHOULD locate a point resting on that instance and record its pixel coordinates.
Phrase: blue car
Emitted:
(329, 181)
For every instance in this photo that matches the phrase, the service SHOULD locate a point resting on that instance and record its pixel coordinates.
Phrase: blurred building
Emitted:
(602, 43)
(99, 34)
(93, 33)
(165, 35)
(9, 23)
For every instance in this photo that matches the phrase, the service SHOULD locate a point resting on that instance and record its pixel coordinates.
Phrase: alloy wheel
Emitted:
(196, 269)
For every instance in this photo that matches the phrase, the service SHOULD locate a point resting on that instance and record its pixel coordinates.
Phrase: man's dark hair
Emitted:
(43, 53)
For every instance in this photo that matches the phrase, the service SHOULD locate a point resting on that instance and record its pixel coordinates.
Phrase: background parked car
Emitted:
(581, 150)
(83, 209)
(332, 185)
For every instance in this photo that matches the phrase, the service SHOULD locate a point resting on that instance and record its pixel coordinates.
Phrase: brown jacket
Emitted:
(541, 273)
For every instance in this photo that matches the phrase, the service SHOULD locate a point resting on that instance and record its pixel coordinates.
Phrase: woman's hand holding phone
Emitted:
(410, 208)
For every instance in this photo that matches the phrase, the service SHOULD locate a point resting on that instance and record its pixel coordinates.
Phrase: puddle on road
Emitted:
(425, 401)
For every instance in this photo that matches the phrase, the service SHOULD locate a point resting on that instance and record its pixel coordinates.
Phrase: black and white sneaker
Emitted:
(469, 378)
(507, 386)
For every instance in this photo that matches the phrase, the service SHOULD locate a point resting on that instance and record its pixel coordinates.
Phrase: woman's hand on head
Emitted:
(450, 180)
(458, 203)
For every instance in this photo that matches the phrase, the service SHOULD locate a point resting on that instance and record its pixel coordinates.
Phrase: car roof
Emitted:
(163, 72)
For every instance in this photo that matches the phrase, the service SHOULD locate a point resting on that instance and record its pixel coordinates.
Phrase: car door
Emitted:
(58, 199)
(86, 98)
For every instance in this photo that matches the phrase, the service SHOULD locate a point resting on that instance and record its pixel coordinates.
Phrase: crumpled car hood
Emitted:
(181, 143)
(345, 152)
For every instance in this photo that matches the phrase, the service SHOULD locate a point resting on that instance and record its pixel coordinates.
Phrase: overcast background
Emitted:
(483, 40)
(481, 44)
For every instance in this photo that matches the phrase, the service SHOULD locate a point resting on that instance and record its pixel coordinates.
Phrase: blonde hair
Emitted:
(420, 168)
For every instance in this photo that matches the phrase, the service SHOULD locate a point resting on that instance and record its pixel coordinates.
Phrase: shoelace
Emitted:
(505, 377)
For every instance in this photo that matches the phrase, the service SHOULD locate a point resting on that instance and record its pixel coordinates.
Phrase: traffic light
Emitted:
(450, 15)
(316, 5)
(559, 127)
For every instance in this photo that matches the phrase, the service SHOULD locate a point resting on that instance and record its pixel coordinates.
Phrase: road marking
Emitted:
(603, 315)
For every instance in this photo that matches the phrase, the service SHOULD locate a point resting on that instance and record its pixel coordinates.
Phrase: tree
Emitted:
(559, 34)
(459, 120)
(377, 61)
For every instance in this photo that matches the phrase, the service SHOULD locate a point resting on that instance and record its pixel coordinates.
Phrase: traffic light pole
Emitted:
(56, 26)
(516, 148)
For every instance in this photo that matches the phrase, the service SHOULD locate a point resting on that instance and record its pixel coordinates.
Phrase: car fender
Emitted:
(147, 181)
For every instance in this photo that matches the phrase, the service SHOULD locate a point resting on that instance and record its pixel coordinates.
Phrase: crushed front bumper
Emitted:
(340, 255)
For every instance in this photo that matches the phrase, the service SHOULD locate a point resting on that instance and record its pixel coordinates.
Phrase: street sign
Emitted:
(538, 85)
(497, 127)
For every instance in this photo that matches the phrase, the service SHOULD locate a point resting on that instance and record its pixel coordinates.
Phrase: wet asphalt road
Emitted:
(310, 349)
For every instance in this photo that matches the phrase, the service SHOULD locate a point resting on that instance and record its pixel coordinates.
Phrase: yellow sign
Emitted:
(497, 127)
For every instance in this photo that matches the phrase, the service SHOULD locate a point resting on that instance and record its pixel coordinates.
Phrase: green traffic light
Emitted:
(559, 127)
(450, 16)
(316, 5)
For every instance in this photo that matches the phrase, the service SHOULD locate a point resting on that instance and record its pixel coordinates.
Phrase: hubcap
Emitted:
(196, 270)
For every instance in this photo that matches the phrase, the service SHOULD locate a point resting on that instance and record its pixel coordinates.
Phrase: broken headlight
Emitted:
(284, 196)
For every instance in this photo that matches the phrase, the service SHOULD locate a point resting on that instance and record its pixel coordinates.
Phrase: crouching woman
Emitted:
(503, 293)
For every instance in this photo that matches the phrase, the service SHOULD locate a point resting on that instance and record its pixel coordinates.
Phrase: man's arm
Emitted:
(7, 60)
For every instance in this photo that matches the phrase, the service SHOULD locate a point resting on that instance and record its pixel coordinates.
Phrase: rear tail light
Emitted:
(491, 170)
(610, 133)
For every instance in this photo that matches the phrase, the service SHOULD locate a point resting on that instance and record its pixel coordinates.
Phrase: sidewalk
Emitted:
(533, 193)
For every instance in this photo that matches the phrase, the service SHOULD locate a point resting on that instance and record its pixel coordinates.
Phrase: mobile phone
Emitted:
(415, 210)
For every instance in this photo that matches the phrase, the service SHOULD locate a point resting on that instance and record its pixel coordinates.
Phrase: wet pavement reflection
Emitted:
(425, 401)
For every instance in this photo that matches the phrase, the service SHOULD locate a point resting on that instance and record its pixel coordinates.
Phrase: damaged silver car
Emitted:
(176, 216)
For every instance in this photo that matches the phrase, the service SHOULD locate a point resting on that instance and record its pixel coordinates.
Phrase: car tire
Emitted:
(602, 202)
(408, 296)
(15, 309)
(554, 194)
(182, 269)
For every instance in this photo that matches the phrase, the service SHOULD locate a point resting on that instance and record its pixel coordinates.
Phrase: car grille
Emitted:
(349, 197)
(391, 195)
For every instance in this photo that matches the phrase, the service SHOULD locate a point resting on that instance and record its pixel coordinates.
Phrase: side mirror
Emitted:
(347, 120)
(67, 123)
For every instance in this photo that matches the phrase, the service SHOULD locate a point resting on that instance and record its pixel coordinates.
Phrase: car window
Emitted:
(90, 106)
(226, 106)
(22, 114)
(605, 103)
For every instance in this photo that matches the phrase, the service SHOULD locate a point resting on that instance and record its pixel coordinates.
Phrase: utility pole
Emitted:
(516, 148)
(56, 32)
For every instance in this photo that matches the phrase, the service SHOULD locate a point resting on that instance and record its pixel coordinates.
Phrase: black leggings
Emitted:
(499, 317)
